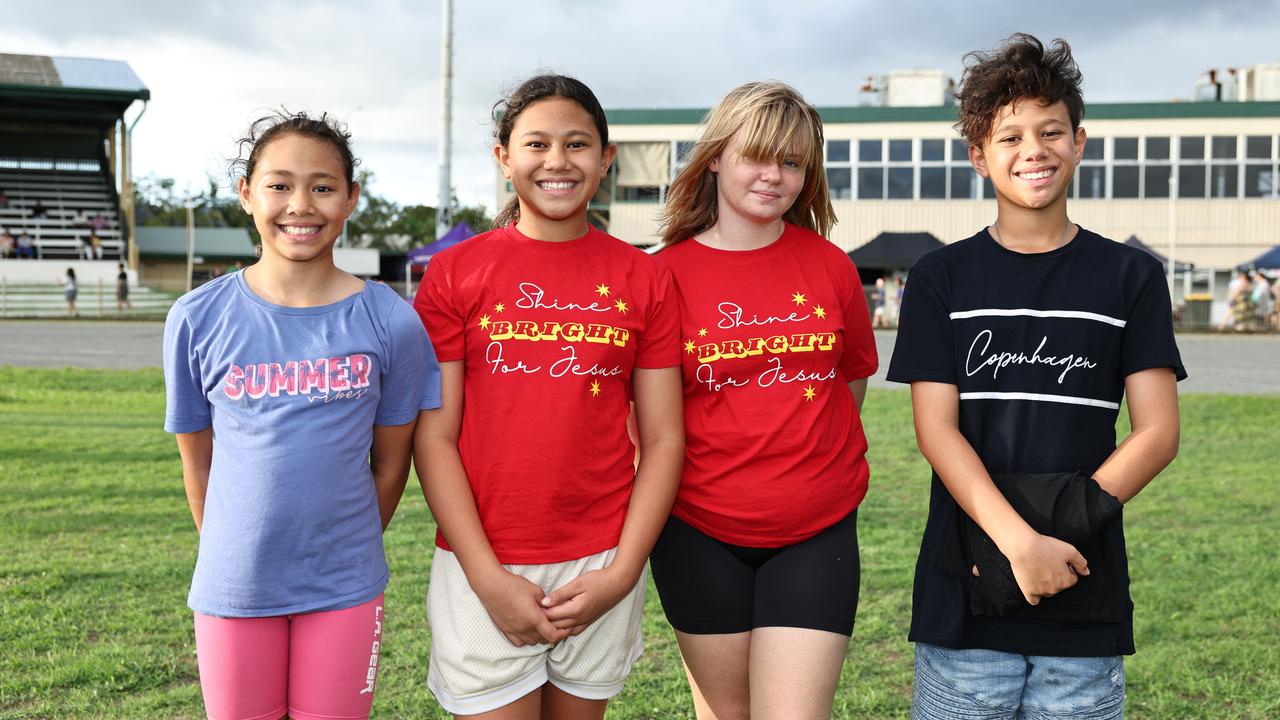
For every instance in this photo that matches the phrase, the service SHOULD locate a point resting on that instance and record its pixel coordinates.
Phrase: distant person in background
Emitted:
(86, 247)
(8, 244)
(95, 246)
(902, 289)
(122, 290)
(1238, 291)
(99, 222)
(1275, 303)
(69, 292)
(1261, 299)
(879, 318)
(38, 210)
(26, 247)
(4, 200)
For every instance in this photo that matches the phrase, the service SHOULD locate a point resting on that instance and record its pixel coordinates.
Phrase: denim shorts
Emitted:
(979, 684)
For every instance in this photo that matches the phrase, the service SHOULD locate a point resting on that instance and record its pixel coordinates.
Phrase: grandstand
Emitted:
(65, 186)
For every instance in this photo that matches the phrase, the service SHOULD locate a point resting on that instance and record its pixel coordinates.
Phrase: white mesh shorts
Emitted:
(475, 669)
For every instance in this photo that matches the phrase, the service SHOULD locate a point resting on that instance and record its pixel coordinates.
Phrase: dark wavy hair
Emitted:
(540, 87)
(1019, 68)
(283, 122)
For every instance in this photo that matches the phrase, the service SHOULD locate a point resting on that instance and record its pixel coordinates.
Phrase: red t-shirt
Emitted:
(548, 333)
(774, 447)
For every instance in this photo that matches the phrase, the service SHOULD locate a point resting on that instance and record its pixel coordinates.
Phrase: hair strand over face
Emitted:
(770, 121)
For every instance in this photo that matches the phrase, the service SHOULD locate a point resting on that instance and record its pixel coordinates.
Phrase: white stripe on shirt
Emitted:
(1013, 312)
(1068, 399)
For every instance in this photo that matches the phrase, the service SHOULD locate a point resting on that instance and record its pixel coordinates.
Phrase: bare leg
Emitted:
(526, 708)
(794, 672)
(560, 705)
(717, 666)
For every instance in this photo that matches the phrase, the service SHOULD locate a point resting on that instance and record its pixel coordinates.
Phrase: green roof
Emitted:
(947, 113)
(210, 242)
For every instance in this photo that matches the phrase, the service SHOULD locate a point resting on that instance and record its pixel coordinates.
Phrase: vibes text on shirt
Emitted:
(574, 333)
(344, 377)
(733, 317)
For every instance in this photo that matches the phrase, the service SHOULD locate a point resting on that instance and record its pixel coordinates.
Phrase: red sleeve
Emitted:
(660, 345)
(859, 359)
(435, 303)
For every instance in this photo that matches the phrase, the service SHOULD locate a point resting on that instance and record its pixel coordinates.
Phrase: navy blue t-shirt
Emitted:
(1039, 346)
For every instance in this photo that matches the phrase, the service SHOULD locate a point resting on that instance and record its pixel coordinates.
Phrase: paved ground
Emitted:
(1236, 364)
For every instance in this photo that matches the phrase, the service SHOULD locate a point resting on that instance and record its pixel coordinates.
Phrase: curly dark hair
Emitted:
(1019, 68)
(283, 122)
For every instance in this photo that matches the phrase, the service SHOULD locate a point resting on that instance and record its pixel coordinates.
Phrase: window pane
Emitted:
(963, 186)
(1258, 180)
(1156, 182)
(1222, 180)
(869, 151)
(1224, 148)
(988, 190)
(1157, 148)
(1092, 180)
(871, 183)
(931, 150)
(900, 151)
(837, 151)
(960, 151)
(1191, 148)
(1124, 180)
(1125, 148)
(1093, 148)
(900, 182)
(1191, 181)
(639, 194)
(839, 182)
(683, 148)
(1258, 147)
(933, 181)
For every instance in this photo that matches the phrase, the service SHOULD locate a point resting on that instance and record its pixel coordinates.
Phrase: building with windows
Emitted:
(1196, 180)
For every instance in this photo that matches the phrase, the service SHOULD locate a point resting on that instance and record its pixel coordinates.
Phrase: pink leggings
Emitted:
(317, 666)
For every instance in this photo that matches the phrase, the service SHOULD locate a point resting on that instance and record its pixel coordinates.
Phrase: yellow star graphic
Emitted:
(499, 308)
(622, 306)
(819, 311)
(809, 394)
(688, 346)
(595, 388)
(798, 298)
(702, 332)
(485, 322)
(602, 290)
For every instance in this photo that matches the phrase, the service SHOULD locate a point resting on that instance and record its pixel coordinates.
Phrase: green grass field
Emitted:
(97, 547)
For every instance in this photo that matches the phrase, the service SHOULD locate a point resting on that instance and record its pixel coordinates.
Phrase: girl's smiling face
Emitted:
(299, 198)
(554, 160)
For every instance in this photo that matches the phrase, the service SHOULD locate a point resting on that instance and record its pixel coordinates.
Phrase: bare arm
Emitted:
(512, 601)
(859, 390)
(196, 450)
(389, 461)
(660, 421)
(1152, 442)
(1042, 565)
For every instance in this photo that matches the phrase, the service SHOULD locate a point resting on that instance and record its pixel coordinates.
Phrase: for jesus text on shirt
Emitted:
(549, 334)
(774, 449)
(1039, 346)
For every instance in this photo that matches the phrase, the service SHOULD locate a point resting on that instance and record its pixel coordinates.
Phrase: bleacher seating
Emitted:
(72, 192)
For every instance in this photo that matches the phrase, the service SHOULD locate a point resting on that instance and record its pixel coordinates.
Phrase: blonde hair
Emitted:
(770, 119)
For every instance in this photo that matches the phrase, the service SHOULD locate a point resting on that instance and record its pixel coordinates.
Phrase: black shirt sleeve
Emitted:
(1148, 340)
(924, 350)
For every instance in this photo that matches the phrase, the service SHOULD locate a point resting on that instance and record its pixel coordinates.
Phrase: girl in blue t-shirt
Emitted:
(293, 388)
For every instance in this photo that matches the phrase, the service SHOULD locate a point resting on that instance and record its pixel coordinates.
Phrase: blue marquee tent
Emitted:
(420, 256)
(1269, 260)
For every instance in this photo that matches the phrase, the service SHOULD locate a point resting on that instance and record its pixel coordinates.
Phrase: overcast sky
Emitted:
(214, 66)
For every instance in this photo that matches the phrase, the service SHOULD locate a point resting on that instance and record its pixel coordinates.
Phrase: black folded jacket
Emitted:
(1069, 506)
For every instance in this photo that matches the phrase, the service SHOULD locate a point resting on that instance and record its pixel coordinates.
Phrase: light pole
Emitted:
(1173, 225)
(444, 197)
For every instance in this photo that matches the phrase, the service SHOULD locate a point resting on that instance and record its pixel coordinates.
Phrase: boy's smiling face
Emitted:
(1031, 154)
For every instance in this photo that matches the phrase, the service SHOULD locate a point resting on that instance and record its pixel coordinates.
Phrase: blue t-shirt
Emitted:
(291, 520)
